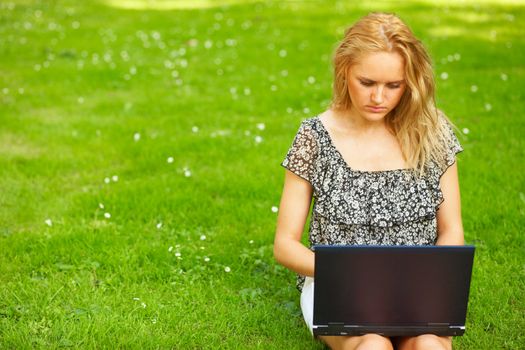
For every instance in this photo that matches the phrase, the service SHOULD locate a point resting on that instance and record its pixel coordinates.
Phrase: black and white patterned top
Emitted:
(353, 207)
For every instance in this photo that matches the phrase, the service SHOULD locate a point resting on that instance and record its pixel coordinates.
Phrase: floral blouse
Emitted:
(353, 207)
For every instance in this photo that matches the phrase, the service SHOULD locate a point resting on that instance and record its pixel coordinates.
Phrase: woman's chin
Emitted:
(373, 116)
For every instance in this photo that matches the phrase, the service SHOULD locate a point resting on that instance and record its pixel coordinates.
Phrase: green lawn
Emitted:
(140, 144)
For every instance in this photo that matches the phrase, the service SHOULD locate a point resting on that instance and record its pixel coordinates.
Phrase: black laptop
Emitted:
(391, 290)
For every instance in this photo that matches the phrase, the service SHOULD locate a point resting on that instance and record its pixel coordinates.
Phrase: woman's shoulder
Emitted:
(309, 128)
(448, 133)
(310, 122)
(446, 145)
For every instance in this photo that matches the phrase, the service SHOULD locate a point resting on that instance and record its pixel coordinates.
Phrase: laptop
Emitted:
(391, 290)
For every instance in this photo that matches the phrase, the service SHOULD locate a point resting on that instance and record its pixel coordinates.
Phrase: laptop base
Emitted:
(388, 331)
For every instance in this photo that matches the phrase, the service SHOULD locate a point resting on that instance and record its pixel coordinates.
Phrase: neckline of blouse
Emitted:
(339, 156)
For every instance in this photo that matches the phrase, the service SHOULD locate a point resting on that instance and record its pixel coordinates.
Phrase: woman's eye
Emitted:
(394, 86)
(366, 83)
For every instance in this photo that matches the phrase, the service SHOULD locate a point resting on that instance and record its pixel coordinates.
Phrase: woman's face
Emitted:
(376, 83)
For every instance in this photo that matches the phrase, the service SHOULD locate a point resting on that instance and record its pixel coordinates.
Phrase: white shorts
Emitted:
(307, 303)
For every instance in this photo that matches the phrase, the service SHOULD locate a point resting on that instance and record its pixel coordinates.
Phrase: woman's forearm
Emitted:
(294, 255)
(451, 238)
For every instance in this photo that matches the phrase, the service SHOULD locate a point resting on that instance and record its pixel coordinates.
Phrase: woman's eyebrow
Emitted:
(389, 82)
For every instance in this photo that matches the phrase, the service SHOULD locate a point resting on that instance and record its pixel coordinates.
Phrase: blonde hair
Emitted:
(419, 127)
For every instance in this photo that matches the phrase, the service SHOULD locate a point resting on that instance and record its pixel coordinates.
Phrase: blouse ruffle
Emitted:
(376, 199)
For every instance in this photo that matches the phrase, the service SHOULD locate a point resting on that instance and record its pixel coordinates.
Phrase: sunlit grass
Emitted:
(172, 4)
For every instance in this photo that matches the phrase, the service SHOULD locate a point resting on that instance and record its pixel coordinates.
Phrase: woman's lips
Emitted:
(376, 109)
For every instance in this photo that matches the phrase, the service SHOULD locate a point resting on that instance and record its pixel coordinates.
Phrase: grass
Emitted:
(96, 89)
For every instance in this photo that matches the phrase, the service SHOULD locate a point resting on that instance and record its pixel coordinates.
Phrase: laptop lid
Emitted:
(391, 290)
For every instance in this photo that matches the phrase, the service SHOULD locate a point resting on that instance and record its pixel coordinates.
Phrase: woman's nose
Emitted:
(377, 95)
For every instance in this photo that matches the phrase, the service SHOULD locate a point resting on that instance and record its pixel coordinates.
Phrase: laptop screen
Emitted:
(392, 285)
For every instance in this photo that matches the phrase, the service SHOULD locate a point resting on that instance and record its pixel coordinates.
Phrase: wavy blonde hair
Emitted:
(418, 125)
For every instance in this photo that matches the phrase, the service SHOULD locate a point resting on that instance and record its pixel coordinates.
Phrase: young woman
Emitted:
(379, 165)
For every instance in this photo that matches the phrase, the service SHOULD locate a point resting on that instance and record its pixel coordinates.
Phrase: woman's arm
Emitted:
(449, 225)
(293, 211)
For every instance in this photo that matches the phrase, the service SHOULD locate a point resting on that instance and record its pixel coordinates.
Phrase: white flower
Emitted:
(474, 88)
(170, 160)
(48, 222)
(306, 110)
(273, 87)
(275, 209)
(170, 249)
(258, 139)
(251, 241)
(159, 225)
(101, 206)
(195, 129)
(107, 215)
(203, 237)
(247, 91)
(143, 305)
(193, 42)
(177, 254)
(466, 131)
(187, 172)
(504, 76)
(136, 299)
(311, 79)
(107, 180)
(227, 269)
(114, 178)
(261, 126)
(136, 136)
(488, 106)
(231, 42)
(206, 259)
(283, 53)
(444, 75)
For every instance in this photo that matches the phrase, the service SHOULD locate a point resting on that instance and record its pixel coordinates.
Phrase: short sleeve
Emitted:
(452, 145)
(303, 153)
